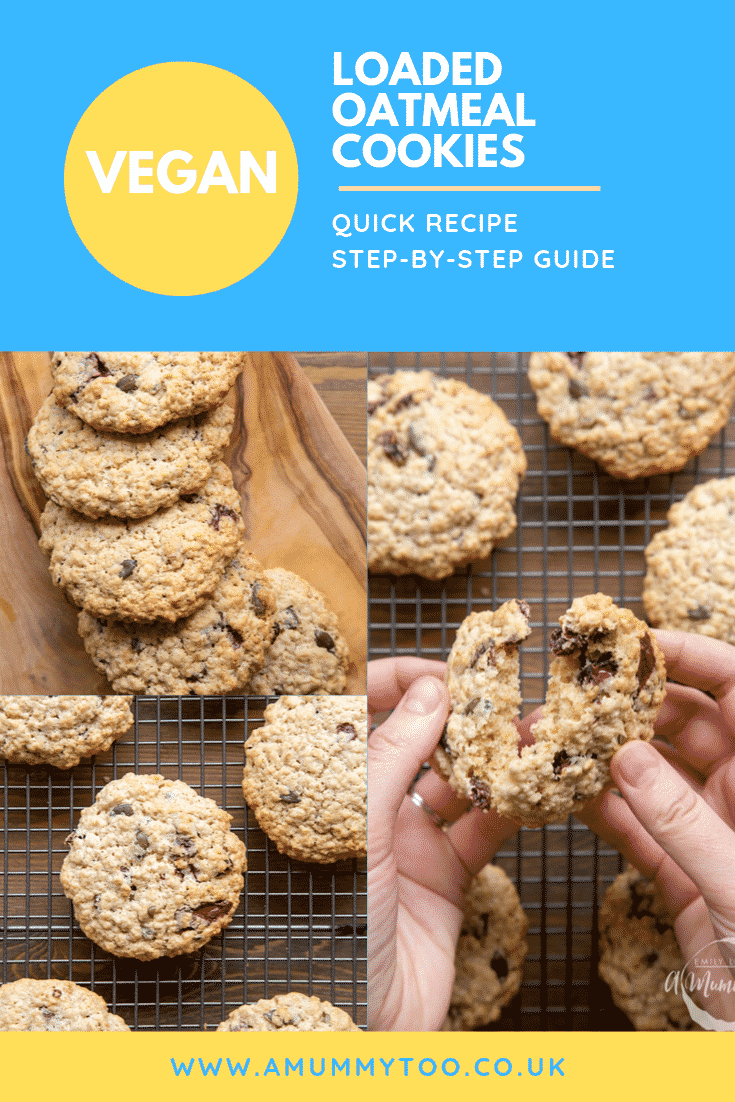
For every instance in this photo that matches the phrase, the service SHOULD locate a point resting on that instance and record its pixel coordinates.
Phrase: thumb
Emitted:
(682, 823)
(396, 751)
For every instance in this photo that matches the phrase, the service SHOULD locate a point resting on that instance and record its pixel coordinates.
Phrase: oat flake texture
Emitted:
(444, 466)
(157, 568)
(153, 869)
(60, 730)
(138, 391)
(638, 951)
(305, 776)
(690, 577)
(307, 653)
(635, 413)
(291, 1013)
(55, 1006)
(213, 651)
(490, 951)
(111, 474)
(606, 685)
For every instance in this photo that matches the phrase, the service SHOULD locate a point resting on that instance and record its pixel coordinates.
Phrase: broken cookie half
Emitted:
(606, 684)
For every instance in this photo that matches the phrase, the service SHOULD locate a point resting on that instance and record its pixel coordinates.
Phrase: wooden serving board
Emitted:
(304, 500)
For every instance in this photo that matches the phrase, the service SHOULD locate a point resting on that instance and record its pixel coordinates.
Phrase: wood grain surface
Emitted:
(304, 499)
(340, 380)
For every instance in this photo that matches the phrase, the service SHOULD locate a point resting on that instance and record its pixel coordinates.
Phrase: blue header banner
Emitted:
(604, 132)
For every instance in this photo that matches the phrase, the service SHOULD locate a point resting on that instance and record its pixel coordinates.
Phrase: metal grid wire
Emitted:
(297, 927)
(579, 531)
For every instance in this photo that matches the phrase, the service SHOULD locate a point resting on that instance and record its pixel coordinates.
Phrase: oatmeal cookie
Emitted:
(634, 413)
(308, 653)
(690, 577)
(60, 730)
(139, 391)
(157, 568)
(109, 474)
(55, 1006)
(213, 651)
(292, 1013)
(153, 869)
(490, 951)
(606, 685)
(638, 951)
(444, 465)
(306, 776)
(484, 694)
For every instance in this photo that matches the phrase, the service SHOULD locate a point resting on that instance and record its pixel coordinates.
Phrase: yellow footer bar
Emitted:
(279, 1067)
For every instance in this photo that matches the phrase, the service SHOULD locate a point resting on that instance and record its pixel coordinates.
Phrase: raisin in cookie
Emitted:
(638, 951)
(308, 653)
(213, 651)
(60, 730)
(292, 1013)
(690, 578)
(634, 413)
(153, 869)
(157, 568)
(606, 685)
(490, 951)
(138, 391)
(108, 474)
(444, 466)
(55, 1006)
(306, 776)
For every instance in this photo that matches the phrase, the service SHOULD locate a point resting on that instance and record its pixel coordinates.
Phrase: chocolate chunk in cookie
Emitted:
(634, 413)
(444, 466)
(606, 684)
(135, 892)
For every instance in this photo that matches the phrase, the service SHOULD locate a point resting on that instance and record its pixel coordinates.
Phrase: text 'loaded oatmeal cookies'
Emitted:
(308, 653)
(60, 730)
(305, 776)
(55, 1006)
(110, 474)
(490, 951)
(444, 465)
(690, 577)
(153, 869)
(634, 413)
(213, 651)
(157, 568)
(606, 685)
(139, 391)
(638, 952)
(291, 1013)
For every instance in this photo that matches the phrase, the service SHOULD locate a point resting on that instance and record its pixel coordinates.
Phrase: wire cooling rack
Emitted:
(298, 927)
(579, 531)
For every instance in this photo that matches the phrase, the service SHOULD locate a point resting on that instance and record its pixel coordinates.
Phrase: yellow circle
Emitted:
(195, 227)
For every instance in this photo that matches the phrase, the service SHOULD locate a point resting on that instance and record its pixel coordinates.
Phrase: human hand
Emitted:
(416, 871)
(676, 819)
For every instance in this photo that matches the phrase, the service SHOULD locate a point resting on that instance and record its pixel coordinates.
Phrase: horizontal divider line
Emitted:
(469, 187)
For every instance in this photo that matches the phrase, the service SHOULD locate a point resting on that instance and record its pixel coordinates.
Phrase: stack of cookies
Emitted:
(144, 530)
